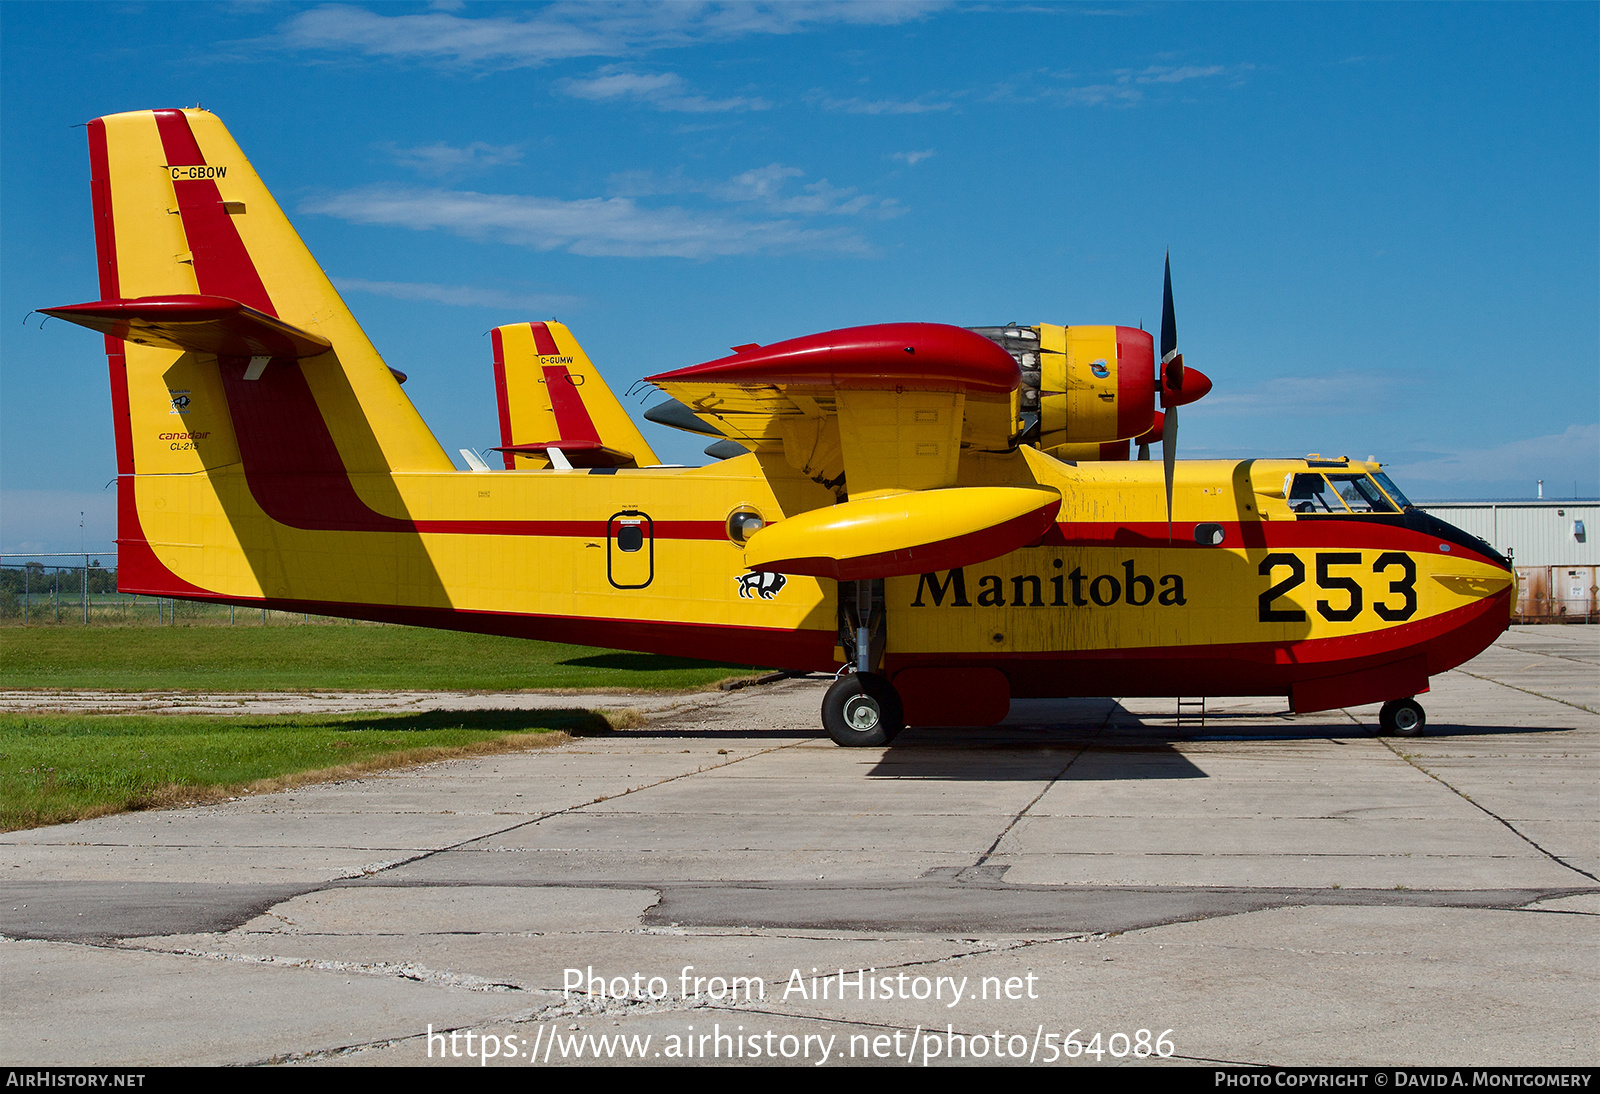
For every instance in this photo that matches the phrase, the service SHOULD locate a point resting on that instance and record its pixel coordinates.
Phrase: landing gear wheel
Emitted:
(1403, 716)
(862, 710)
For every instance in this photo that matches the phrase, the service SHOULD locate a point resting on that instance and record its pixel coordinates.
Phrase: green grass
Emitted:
(331, 656)
(56, 768)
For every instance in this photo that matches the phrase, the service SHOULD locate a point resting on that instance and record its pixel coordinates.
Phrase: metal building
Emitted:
(1551, 543)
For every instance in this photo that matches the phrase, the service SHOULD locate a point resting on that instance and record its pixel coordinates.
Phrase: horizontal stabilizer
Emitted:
(203, 324)
(911, 533)
(579, 453)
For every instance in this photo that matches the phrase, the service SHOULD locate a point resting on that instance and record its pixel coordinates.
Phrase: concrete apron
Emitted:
(1260, 889)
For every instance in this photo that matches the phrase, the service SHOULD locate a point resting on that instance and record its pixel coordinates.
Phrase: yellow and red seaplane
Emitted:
(945, 518)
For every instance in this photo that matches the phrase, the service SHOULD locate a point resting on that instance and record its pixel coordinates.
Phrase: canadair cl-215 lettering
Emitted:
(946, 518)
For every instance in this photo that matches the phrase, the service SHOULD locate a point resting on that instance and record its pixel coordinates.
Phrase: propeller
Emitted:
(1179, 385)
(1171, 383)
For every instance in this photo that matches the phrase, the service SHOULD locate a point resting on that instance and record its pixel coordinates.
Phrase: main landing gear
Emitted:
(862, 709)
(1404, 717)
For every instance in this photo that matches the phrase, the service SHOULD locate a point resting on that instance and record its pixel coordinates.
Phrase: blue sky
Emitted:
(1384, 219)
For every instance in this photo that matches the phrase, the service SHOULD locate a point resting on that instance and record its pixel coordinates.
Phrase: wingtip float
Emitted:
(946, 517)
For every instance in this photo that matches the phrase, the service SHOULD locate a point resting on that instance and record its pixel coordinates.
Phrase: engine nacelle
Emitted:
(1082, 387)
(1096, 384)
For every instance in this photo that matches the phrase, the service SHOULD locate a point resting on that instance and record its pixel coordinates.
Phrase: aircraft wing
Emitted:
(880, 415)
(889, 406)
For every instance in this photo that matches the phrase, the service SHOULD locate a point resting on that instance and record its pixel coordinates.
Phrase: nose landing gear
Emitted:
(1404, 717)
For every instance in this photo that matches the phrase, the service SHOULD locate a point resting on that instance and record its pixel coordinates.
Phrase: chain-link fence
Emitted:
(81, 589)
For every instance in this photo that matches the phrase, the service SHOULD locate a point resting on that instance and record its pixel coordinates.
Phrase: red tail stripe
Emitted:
(503, 396)
(291, 462)
(572, 417)
(222, 265)
(105, 240)
(105, 245)
(543, 341)
(177, 139)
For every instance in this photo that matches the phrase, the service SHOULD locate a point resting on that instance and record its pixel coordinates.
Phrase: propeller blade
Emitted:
(1169, 456)
(1169, 320)
(1171, 377)
(1171, 383)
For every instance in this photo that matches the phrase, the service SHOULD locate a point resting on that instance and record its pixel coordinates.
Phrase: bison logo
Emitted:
(764, 585)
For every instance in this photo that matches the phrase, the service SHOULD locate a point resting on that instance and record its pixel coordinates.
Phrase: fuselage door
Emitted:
(630, 550)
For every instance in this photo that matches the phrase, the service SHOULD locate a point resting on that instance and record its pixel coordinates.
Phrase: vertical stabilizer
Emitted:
(189, 215)
(233, 360)
(552, 396)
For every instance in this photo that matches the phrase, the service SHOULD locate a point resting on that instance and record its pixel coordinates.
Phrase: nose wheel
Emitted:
(1404, 717)
(862, 710)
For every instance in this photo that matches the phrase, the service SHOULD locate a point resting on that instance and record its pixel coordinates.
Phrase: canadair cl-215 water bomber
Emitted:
(945, 518)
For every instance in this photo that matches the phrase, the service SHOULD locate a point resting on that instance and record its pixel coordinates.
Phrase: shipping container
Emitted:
(1557, 594)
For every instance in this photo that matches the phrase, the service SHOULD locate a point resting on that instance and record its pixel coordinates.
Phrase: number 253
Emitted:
(1348, 604)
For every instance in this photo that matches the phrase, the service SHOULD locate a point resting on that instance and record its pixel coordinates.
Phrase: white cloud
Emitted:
(663, 91)
(567, 30)
(1323, 394)
(1560, 459)
(767, 187)
(459, 296)
(1167, 74)
(611, 83)
(445, 159)
(1119, 94)
(880, 106)
(588, 226)
(1127, 88)
(911, 159)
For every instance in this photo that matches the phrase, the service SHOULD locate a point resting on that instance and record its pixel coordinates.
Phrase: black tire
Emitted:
(862, 710)
(1403, 717)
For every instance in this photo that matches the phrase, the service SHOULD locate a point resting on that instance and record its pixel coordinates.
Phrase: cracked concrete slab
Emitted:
(1262, 888)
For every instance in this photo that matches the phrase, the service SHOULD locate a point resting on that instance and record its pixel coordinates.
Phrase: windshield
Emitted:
(1314, 493)
(1361, 494)
(1392, 490)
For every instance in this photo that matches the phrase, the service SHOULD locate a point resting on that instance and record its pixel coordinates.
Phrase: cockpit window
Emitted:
(1392, 490)
(1311, 494)
(1361, 494)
